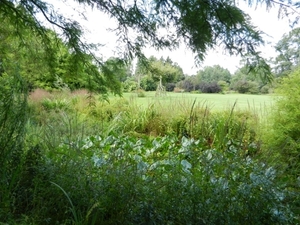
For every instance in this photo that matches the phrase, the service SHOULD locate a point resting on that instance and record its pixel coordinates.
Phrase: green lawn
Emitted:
(258, 103)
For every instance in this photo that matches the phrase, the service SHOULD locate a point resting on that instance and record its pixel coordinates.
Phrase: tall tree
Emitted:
(199, 24)
(214, 74)
(40, 67)
(156, 69)
(288, 49)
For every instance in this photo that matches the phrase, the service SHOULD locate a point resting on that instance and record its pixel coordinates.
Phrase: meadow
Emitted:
(177, 159)
(216, 102)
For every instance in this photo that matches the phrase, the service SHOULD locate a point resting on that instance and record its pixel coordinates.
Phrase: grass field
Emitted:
(216, 102)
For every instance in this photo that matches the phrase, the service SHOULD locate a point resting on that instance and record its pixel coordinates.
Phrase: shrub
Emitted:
(244, 86)
(223, 85)
(283, 137)
(129, 85)
(148, 84)
(178, 90)
(188, 85)
(210, 87)
(141, 93)
(126, 180)
(265, 89)
(170, 86)
(282, 143)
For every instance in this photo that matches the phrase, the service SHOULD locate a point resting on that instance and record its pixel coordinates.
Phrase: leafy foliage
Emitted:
(51, 66)
(288, 49)
(284, 140)
(119, 163)
(190, 83)
(243, 82)
(281, 140)
(214, 74)
(151, 71)
(200, 25)
(210, 87)
(124, 180)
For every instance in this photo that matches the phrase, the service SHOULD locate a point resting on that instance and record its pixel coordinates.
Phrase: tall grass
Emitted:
(13, 117)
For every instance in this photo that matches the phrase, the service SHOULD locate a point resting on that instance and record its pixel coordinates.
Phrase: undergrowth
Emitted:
(89, 161)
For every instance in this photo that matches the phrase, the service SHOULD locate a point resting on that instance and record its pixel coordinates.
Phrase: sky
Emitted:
(96, 25)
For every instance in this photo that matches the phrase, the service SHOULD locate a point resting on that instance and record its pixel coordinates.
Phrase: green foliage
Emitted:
(288, 53)
(125, 180)
(209, 87)
(13, 117)
(245, 82)
(214, 74)
(190, 83)
(282, 148)
(283, 137)
(56, 105)
(244, 86)
(151, 71)
(224, 86)
(141, 93)
(120, 163)
(45, 61)
(148, 84)
(129, 85)
(119, 67)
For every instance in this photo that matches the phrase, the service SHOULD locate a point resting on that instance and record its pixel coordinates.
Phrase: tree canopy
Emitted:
(214, 74)
(201, 25)
(288, 49)
(165, 69)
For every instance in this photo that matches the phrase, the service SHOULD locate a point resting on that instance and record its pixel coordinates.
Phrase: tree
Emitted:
(190, 83)
(212, 87)
(288, 48)
(150, 72)
(214, 74)
(51, 67)
(243, 82)
(25, 55)
(199, 24)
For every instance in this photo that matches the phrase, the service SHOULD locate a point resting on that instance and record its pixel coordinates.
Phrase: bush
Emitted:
(148, 84)
(210, 87)
(264, 89)
(126, 180)
(285, 131)
(187, 85)
(224, 86)
(244, 86)
(129, 85)
(178, 90)
(141, 93)
(282, 143)
(170, 86)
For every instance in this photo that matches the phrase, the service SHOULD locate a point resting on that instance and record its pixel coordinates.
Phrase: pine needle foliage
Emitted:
(201, 25)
